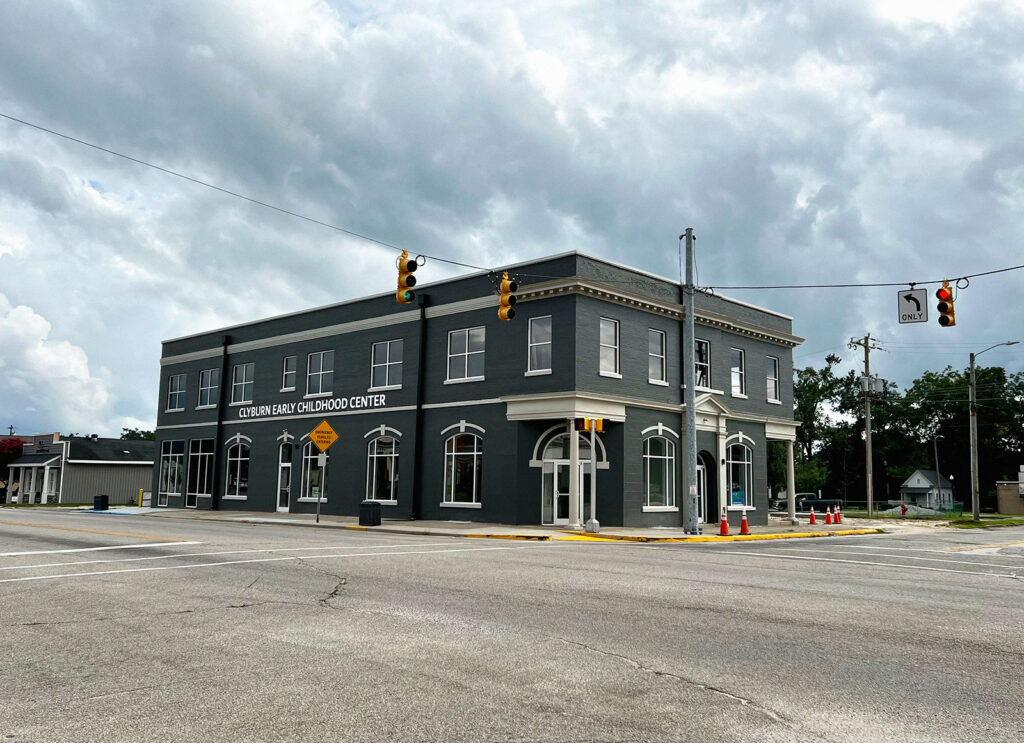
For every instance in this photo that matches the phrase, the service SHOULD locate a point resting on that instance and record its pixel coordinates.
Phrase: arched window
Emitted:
(660, 472)
(314, 477)
(237, 485)
(463, 460)
(382, 469)
(741, 483)
(558, 447)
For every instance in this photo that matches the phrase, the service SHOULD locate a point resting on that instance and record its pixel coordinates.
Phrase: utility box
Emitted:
(101, 502)
(369, 513)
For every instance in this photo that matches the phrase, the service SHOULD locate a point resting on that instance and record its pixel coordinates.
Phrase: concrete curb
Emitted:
(732, 538)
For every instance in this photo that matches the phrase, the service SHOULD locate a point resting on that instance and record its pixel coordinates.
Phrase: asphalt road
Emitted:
(114, 631)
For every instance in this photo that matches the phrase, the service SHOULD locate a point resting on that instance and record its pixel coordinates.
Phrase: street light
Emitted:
(975, 511)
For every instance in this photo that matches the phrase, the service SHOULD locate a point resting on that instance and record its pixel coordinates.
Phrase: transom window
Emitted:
(200, 467)
(702, 362)
(288, 367)
(320, 373)
(209, 381)
(466, 354)
(386, 364)
(739, 468)
(176, 392)
(237, 482)
(314, 477)
(172, 460)
(609, 346)
(242, 376)
(739, 376)
(539, 344)
(773, 379)
(659, 472)
(463, 467)
(382, 469)
(656, 356)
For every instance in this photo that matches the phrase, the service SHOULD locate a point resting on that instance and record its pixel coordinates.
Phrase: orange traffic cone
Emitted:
(839, 516)
(723, 524)
(813, 520)
(744, 526)
(828, 514)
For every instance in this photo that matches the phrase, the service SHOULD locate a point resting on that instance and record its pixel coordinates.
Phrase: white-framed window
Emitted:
(386, 364)
(739, 468)
(320, 373)
(314, 477)
(702, 362)
(659, 472)
(200, 468)
(739, 375)
(609, 346)
(242, 376)
(172, 465)
(539, 345)
(209, 382)
(175, 393)
(466, 354)
(236, 483)
(288, 371)
(463, 468)
(382, 469)
(773, 379)
(656, 371)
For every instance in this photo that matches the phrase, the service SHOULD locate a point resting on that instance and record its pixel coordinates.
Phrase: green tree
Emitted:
(137, 434)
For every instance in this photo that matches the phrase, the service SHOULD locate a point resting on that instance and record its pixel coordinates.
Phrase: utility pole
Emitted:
(10, 429)
(690, 392)
(938, 474)
(867, 345)
(975, 495)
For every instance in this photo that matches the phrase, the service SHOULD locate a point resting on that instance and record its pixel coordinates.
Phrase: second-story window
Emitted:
(320, 373)
(242, 376)
(656, 356)
(739, 377)
(209, 381)
(609, 346)
(288, 374)
(466, 354)
(773, 379)
(386, 364)
(176, 392)
(702, 362)
(539, 344)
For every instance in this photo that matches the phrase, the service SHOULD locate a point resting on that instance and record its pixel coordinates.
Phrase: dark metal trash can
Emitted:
(101, 502)
(369, 513)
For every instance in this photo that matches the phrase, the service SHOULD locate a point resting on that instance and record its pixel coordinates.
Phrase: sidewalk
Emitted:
(776, 529)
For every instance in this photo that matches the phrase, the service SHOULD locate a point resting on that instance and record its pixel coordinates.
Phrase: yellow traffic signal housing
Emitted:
(507, 289)
(593, 424)
(947, 313)
(406, 281)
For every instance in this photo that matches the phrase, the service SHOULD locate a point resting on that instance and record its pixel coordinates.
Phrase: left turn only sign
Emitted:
(323, 436)
(913, 305)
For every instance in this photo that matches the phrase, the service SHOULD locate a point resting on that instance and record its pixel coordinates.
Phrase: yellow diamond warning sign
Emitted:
(323, 436)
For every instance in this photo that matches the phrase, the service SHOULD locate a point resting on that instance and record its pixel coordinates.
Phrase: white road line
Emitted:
(225, 552)
(242, 562)
(904, 557)
(96, 549)
(859, 562)
(944, 551)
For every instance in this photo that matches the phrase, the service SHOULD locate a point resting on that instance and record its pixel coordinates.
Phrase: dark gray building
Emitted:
(443, 411)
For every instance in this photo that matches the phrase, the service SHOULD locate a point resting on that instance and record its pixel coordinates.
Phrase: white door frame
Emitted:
(553, 473)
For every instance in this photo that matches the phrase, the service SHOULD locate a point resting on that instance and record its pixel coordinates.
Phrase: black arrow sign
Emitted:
(912, 298)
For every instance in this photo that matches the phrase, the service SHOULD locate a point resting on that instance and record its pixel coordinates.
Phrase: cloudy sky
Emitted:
(805, 142)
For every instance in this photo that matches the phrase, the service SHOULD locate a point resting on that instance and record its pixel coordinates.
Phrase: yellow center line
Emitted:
(92, 531)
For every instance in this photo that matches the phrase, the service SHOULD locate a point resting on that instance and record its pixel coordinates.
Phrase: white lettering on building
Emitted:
(321, 405)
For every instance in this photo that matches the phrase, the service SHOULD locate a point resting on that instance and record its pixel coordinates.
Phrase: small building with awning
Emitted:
(75, 469)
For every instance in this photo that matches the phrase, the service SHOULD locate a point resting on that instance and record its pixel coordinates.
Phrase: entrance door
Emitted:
(555, 506)
(284, 486)
(702, 493)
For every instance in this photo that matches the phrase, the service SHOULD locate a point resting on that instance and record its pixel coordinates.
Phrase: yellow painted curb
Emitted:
(588, 538)
(732, 538)
(355, 528)
(530, 537)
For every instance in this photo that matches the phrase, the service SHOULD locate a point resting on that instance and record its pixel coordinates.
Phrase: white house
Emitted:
(926, 488)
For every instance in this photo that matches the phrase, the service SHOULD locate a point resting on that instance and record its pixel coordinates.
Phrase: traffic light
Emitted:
(508, 297)
(580, 424)
(589, 424)
(406, 281)
(947, 316)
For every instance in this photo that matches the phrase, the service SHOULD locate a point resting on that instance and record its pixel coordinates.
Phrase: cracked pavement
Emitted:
(268, 633)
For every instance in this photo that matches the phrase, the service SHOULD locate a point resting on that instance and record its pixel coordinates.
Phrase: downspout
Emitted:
(218, 459)
(421, 373)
